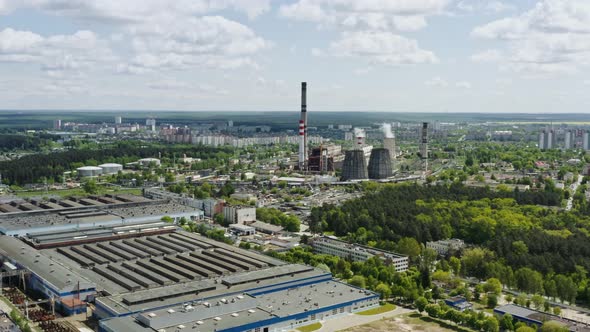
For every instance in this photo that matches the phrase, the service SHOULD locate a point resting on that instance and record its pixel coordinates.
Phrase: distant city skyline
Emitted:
(525, 56)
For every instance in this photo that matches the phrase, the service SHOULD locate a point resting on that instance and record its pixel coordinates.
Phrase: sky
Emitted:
(529, 56)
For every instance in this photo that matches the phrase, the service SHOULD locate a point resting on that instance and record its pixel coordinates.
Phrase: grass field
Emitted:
(379, 310)
(310, 327)
(409, 322)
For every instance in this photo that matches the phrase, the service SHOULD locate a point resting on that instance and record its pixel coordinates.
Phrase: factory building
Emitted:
(146, 162)
(357, 252)
(148, 275)
(92, 212)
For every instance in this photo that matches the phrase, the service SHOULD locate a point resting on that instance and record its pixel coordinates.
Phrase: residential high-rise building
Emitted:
(57, 124)
(118, 120)
(569, 140)
(547, 139)
(585, 142)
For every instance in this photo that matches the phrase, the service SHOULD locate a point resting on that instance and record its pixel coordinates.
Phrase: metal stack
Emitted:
(380, 164)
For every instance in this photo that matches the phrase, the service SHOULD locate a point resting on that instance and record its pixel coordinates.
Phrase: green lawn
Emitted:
(310, 327)
(379, 310)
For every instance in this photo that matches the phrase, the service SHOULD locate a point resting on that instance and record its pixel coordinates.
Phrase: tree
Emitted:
(433, 310)
(409, 246)
(528, 280)
(167, 219)
(421, 303)
(507, 322)
(557, 311)
(455, 264)
(491, 324)
(358, 281)
(493, 285)
(526, 329)
(384, 290)
(492, 301)
(90, 187)
(538, 301)
(553, 326)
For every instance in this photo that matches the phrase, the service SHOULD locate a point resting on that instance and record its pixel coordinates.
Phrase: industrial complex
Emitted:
(136, 272)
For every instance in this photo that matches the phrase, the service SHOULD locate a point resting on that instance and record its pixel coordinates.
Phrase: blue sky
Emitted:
(356, 55)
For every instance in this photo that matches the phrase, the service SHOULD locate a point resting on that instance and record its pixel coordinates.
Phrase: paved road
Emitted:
(351, 320)
(574, 187)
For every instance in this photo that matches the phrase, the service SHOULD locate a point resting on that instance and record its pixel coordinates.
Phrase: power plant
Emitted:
(380, 164)
(355, 164)
(303, 129)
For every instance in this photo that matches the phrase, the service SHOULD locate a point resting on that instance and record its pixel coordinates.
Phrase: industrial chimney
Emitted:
(303, 129)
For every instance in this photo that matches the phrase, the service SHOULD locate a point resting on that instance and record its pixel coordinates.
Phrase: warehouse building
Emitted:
(147, 280)
(357, 252)
(537, 318)
(89, 212)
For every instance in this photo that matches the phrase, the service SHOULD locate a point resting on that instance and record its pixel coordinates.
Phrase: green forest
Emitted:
(537, 249)
(33, 168)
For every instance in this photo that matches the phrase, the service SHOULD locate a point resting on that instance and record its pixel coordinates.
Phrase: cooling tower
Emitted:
(380, 164)
(389, 144)
(355, 166)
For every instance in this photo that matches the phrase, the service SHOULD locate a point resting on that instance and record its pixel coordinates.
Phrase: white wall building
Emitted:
(358, 253)
(443, 247)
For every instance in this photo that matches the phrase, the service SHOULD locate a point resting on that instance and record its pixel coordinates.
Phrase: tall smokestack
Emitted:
(360, 138)
(424, 147)
(303, 129)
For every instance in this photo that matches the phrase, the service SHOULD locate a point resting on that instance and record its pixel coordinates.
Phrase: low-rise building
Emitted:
(443, 247)
(357, 252)
(241, 229)
(458, 303)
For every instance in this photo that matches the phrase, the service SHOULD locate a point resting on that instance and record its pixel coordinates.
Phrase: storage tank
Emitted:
(87, 171)
(380, 164)
(355, 166)
(147, 161)
(111, 168)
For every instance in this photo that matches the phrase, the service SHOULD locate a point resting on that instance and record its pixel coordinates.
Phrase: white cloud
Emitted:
(463, 85)
(552, 37)
(384, 48)
(170, 34)
(208, 41)
(487, 56)
(401, 15)
(487, 6)
(75, 52)
(437, 82)
(135, 11)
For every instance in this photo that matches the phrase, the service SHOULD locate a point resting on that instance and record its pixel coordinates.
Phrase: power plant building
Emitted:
(355, 166)
(380, 164)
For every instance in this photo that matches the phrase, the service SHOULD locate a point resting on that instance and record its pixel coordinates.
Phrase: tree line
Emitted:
(527, 247)
(51, 166)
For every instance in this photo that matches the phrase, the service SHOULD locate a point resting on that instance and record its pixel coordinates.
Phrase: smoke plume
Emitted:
(386, 127)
